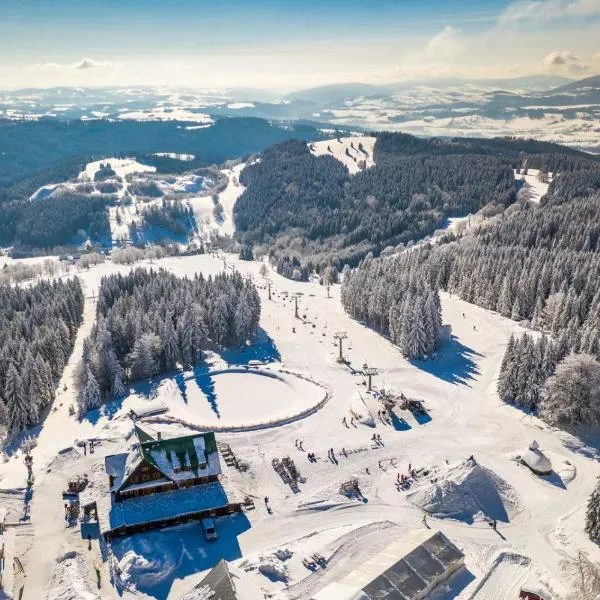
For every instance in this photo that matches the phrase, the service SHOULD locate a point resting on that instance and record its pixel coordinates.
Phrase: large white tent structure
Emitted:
(408, 569)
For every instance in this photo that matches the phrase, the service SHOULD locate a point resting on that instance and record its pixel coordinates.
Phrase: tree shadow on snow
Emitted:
(180, 381)
(455, 363)
(584, 441)
(176, 552)
(262, 349)
(206, 384)
(109, 410)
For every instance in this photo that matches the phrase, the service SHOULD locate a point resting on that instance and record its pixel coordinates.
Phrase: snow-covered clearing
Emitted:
(175, 156)
(347, 151)
(121, 166)
(544, 522)
(535, 188)
(210, 225)
(162, 113)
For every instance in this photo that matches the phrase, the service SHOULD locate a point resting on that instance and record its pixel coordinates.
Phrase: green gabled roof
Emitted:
(142, 435)
(181, 450)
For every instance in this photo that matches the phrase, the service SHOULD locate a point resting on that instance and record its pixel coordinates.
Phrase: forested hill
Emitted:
(391, 145)
(310, 210)
(36, 153)
(534, 263)
(30, 149)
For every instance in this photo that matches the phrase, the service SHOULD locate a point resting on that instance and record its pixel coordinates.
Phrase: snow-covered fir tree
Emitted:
(592, 515)
(90, 395)
(526, 365)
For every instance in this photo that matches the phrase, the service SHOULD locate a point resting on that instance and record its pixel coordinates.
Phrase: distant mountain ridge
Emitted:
(581, 84)
(336, 92)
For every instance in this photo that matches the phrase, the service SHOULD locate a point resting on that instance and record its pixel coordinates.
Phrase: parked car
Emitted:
(528, 595)
(210, 531)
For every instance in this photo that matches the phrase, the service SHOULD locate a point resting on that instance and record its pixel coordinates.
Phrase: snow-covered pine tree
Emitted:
(220, 320)
(16, 401)
(90, 396)
(4, 418)
(170, 347)
(243, 319)
(592, 515)
(143, 358)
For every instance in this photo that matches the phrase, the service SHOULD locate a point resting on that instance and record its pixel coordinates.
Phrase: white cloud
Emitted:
(557, 58)
(82, 65)
(90, 63)
(565, 61)
(435, 59)
(549, 10)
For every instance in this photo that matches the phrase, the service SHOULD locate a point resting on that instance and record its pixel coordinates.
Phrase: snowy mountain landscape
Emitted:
(554, 109)
(401, 433)
(300, 301)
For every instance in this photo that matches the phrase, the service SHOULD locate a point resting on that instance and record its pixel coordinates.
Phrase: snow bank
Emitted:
(273, 568)
(138, 571)
(466, 492)
(69, 581)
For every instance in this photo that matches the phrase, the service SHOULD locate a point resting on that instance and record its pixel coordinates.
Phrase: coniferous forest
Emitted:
(534, 263)
(333, 217)
(148, 322)
(312, 213)
(38, 326)
(50, 151)
(395, 300)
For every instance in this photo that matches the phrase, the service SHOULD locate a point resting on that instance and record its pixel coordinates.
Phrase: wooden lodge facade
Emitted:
(160, 482)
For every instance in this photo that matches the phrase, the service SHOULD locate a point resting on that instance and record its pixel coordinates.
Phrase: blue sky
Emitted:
(286, 44)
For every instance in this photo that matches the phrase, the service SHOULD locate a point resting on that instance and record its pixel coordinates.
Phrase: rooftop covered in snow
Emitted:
(225, 582)
(408, 569)
(178, 459)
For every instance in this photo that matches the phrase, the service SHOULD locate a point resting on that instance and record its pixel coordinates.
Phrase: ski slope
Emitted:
(545, 522)
(210, 227)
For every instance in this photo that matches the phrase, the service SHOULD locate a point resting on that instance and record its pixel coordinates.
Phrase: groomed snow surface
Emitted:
(539, 518)
(238, 398)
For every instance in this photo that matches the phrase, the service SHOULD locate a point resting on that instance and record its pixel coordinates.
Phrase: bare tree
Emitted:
(586, 576)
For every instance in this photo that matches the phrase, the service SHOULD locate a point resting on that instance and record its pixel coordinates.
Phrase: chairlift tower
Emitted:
(340, 336)
(268, 283)
(370, 372)
(295, 296)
